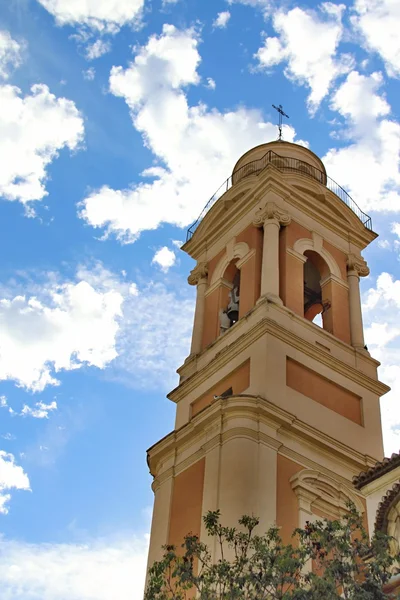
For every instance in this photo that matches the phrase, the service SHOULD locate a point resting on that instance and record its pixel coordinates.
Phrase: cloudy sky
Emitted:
(118, 120)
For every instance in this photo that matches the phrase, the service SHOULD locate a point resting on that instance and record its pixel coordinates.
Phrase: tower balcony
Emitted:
(285, 164)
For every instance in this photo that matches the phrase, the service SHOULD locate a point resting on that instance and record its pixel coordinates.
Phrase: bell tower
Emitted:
(277, 408)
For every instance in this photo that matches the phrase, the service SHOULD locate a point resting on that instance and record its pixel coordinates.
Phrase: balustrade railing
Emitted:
(288, 165)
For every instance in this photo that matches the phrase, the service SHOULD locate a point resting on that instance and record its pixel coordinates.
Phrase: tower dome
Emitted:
(284, 155)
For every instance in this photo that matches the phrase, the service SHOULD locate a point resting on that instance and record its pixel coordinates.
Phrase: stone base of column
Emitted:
(273, 298)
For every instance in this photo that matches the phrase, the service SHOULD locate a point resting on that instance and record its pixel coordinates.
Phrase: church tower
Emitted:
(277, 408)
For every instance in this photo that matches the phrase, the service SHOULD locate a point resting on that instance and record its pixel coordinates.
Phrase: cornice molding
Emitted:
(255, 408)
(268, 325)
(271, 212)
(198, 273)
(358, 265)
(303, 198)
(296, 255)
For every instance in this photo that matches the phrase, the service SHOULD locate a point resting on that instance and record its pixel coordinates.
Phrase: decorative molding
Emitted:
(245, 258)
(198, 273)
(358, 265)
(314, 489)
(216, 425)
(334, 279)
(296, 255)
(331, 213)
(304, 244)
(271, 212)
(218, 283)
(239, 251)
(268, 325)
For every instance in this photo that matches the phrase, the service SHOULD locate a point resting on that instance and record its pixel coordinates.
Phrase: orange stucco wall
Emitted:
(250, 273)
(291, 277)
(238, 380)
(213, 263)
(337, 317)
(323, 391)
(287, 509)
(213, 303)
(186, 503)
(339, 256)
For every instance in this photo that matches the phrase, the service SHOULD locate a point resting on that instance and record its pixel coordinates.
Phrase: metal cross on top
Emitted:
(282, 114)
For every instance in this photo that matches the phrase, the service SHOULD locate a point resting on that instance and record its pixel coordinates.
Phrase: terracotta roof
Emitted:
(379, 469)
(385, 505)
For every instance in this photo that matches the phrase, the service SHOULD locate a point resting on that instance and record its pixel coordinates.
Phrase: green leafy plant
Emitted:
(328, 560)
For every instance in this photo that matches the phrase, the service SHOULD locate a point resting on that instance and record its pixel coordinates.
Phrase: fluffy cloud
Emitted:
(10, 54)
(39, 411)
(222, 19)
(98, 319)
(313, 64)
(379, 23)
(63, 327)
(164, 258)
(381, 305)
(97, 49)
(33, 129)
(369, 166)
(193, 144)
(96, 570)
(98, 15)
(264, 5)
(89, 74)
(12, 476)
(155, 336)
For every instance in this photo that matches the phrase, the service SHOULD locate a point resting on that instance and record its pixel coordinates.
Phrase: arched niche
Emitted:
(388, 518)
(235, 253)
(316, 491)
(306, 244)
(324, 291)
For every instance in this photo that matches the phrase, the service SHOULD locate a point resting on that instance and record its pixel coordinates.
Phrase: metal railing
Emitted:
(288, 165)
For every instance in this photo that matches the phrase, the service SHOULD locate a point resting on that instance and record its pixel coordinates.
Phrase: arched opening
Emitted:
(315, 269)
(229, 313)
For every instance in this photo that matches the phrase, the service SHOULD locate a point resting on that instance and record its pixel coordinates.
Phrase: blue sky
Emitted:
(118, 120)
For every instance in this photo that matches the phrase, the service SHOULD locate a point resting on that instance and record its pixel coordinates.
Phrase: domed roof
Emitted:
(282, 149)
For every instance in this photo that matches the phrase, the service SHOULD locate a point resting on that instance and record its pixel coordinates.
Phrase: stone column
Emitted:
(356, 268)
(271, 218)
(198, 277)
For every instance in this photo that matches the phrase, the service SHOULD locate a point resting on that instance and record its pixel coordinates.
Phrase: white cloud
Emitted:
(40, 410)
(369, 167)
(312, 63)
(164, 258)
(98, 15)
(12, 477)
(97, 49)
(101, 569)
(33, 129)
(384, 244)
(98, 319)
(381, 305)
(10, 54)
(89, 74)
(222, 19)
(265, 5)
(63, 327)
(379, 23)
(155, 335)
(193, 144)
(211, 83)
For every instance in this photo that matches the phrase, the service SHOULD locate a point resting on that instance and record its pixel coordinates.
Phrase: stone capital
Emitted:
(270, 211)
(199, 272)
(357, 264)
